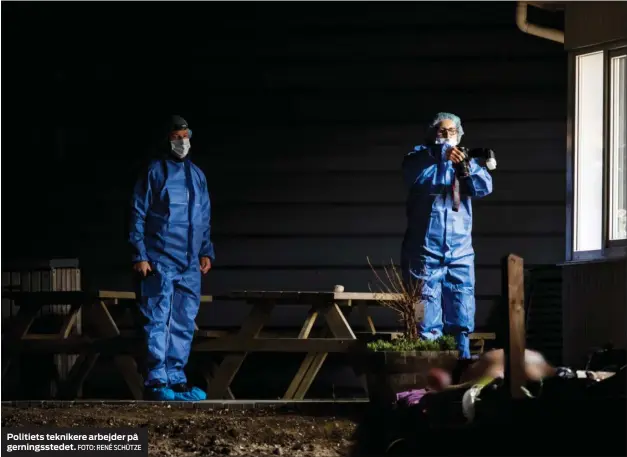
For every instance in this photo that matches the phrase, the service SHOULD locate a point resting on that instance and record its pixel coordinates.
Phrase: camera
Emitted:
(462, 169)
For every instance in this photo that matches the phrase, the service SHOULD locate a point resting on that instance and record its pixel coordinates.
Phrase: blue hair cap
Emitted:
(452, 117)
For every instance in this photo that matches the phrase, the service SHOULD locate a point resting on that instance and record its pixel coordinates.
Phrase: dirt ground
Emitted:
(191, 432)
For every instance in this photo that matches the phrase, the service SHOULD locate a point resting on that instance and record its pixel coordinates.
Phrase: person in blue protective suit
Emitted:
(170, 237)
(437, 248)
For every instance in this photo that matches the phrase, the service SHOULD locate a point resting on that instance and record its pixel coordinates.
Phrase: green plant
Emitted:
(444, 343)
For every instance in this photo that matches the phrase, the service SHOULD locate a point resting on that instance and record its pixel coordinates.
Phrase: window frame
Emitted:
(610, 249)
(619, 52)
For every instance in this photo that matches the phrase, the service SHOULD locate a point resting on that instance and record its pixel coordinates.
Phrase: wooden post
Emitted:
(514, 280)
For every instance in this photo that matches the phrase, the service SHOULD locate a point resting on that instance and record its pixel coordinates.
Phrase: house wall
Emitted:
(301, 116)
(594, 23)
(595, 308)
(594, 294)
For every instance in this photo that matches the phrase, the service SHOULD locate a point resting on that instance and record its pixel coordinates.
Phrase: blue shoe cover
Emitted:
(193, 394)
(160, 393)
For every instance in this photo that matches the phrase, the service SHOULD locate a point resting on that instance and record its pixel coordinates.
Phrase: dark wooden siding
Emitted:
(577, 308)
(588, 25)
(301, 116)
(595, 308)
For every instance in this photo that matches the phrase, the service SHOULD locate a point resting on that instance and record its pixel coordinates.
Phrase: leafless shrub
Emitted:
(392, 292)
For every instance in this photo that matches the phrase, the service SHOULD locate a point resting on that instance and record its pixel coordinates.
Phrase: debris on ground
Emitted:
(186, 432)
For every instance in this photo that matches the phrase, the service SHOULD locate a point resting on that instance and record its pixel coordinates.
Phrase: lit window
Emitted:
(588, 233)
(617, 152)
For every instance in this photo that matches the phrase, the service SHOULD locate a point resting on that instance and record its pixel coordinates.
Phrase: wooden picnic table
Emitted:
(340, 337)
(101, 335)
(98, 334)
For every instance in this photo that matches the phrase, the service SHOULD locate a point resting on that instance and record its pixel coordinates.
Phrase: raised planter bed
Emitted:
(392, 372)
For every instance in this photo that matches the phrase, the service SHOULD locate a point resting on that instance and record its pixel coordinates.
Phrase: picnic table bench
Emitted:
(100, 334)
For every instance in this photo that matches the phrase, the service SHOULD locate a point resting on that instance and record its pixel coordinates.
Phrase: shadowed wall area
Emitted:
(301, 116)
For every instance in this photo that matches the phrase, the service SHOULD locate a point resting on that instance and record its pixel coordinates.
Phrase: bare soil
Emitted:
(205, 432)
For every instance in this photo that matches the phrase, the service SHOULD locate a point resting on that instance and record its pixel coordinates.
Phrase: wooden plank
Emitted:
(77, 375)
(119, 295)
(321, 252)
(472, 336)
(231, 364)
(6, 365)
(103, 322)
(304, 370)
(373, 187)
(304, 296)
(482, 335)
(122, 295)
(335, 136)
(366, 318)
(320, 50)
(371, 297)
(21, 323)
(40, 336)
(307, 373)
(339, 327)
(362, 106)
(127, 366)
(288, 295)
(396, 74)
(48, 298)
(226, 281)
(267, 332)
(345, 20)
(77, 345)
(382, 155)
(405, 75)
(209, 372)
(515, 357)
(212, 333)
(70, 319)
(308, 324)
(231, 344)
(390, 220)
(337, 322)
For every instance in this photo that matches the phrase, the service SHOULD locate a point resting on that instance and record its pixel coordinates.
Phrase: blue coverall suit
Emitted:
(437, 248)
(170, 228)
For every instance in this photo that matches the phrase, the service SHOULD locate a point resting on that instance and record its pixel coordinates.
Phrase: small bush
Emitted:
(444, 343)
(403, 299)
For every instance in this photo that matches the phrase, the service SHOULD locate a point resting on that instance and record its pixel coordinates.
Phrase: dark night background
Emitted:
(301, 115)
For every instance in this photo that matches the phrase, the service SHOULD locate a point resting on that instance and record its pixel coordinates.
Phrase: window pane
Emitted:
(618, 155)
(589, 152)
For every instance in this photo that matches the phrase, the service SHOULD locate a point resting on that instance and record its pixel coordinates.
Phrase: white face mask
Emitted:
(449, 141)
(180, 148)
